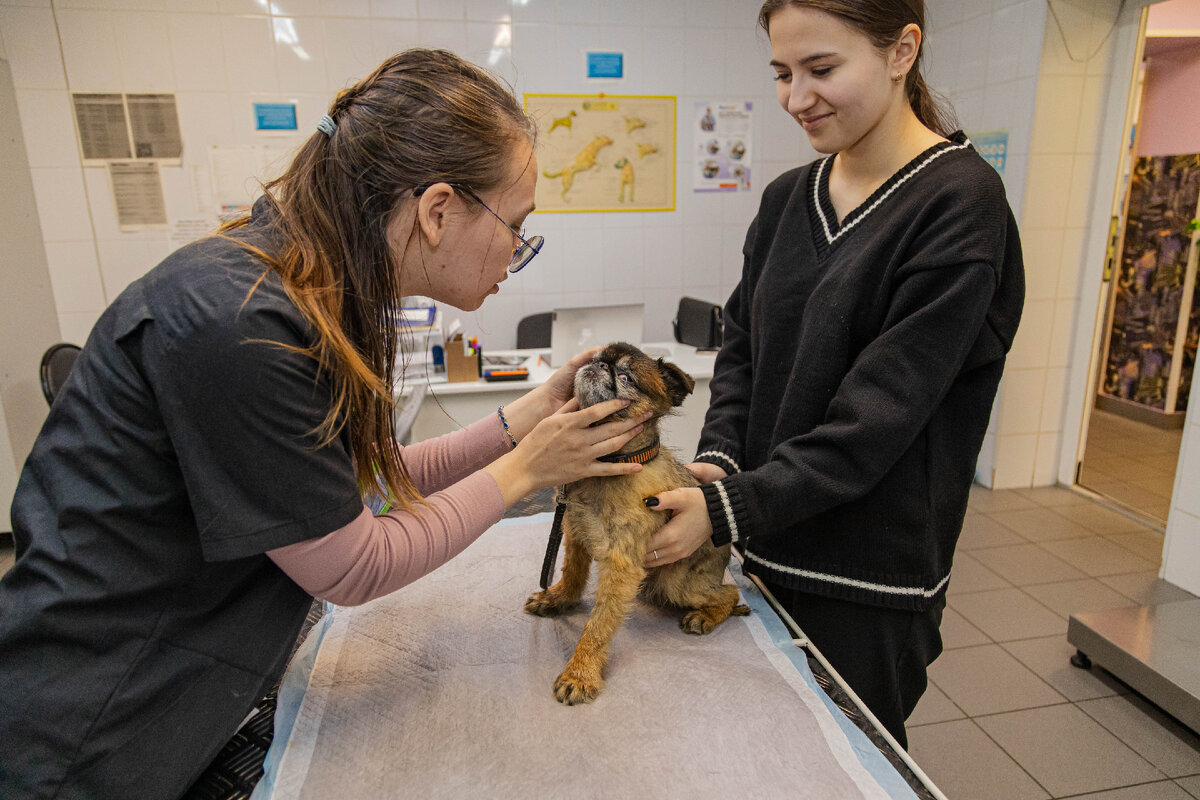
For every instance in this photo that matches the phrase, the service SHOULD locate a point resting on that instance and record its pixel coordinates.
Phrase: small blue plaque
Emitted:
(993, 147)
(275, 116)
(606, 65)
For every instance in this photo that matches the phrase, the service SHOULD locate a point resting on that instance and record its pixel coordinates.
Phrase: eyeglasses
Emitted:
(528, 248)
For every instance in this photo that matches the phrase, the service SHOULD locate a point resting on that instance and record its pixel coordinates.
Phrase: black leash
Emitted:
(555, 540)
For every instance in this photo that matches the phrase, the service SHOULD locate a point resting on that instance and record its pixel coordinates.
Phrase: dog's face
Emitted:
(622, 370)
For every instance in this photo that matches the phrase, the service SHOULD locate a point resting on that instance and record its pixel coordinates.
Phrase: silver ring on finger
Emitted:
(656, 555)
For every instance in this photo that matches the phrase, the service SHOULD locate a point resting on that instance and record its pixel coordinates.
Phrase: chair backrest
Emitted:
(534, 331)
(699, 323)
(56, 366)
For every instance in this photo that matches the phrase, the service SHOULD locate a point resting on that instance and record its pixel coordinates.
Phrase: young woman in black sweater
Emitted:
(864, 343)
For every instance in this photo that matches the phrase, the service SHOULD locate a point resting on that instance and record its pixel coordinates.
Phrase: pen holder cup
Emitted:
(461, 364)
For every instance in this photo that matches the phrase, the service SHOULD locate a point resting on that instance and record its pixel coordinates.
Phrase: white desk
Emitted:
(450, 406)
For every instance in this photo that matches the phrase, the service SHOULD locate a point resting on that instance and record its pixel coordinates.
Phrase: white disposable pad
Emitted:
(443, 690)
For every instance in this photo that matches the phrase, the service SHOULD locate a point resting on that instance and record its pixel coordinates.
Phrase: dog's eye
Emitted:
(623, 378)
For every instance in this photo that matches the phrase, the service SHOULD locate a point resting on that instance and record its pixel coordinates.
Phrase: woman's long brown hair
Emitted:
(881, 21)
(422, 117)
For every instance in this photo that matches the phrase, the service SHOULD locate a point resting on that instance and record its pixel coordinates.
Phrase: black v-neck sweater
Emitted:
(856, 379)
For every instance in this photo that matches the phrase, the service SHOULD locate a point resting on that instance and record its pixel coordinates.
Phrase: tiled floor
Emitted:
(1006, 716)
(1131, 462)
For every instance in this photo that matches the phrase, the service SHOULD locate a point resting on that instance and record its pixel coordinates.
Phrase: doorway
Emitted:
(1147, 344)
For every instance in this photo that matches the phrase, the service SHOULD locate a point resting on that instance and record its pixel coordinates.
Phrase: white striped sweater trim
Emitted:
(911, 591)
(831, 237)
(729, 518)
(720, 455)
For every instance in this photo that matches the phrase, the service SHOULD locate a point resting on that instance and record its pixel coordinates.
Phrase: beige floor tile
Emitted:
(988, 500)
(1099, 519)
(1027, 564)
(1073, 597)
(988, 680)
(1147, 544)
(1066, 751)
(933, 707)
(980, 530)
(1162, 741)
(1191, 785)
(1007, 615)
(966, 765)
(1054, 496)
(1159, 790)
(1041, 524)
(957, 632)
(1049, 658)
(1167, 462)
(1146, 588)
(968, 575)
(1094, 556)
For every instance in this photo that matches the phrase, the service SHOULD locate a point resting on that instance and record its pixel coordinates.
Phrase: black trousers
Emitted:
(881, 653)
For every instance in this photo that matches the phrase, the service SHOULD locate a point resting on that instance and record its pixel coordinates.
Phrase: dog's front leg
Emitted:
(565, 594)
(620, 576)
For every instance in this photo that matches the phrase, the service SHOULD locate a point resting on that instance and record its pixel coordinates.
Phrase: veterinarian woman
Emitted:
(201, 477)
(863, 345)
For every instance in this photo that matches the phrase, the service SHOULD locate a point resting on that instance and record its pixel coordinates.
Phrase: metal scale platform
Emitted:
(1155, 649)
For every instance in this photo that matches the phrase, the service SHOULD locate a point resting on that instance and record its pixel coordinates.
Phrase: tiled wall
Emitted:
(1001, 62)
(985, 57)
(222, 56)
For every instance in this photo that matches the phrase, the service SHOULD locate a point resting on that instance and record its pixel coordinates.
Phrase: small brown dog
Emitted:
(606, 521)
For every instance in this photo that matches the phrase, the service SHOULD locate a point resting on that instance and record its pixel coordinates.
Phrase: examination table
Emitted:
(443, 690)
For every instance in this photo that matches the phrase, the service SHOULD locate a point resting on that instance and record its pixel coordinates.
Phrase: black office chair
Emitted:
(56, 366)
(534, 331)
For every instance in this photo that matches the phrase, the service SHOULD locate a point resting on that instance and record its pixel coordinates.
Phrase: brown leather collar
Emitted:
(643, 456)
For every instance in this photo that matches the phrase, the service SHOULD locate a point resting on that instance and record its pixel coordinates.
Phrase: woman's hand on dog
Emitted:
(564, 447)
(687, 529)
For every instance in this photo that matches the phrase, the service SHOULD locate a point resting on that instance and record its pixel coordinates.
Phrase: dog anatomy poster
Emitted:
(604, 152)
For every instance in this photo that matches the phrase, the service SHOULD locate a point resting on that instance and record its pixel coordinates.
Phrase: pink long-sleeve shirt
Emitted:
(375, 555)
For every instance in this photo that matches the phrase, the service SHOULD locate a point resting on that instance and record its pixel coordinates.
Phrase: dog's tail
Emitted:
(740, 611)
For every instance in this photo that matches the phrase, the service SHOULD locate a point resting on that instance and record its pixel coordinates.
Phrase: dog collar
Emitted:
(642, 456)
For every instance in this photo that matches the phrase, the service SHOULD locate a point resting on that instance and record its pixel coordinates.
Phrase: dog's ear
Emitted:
(679, 383)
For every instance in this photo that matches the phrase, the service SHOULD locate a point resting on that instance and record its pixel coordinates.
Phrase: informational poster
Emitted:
(138, 195)
(154, 125)
(993, 146)
(102, 127)
(604, 152)
(237, 175)
(721, 135)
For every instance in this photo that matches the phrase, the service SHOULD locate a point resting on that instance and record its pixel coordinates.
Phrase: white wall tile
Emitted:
(48, 127)
(197, 51)
(664, 257)
(1052, 401)
(1045, 465)
(443, 10)
(1181, 550)
(1062, 332)
(446, 34)
(349, 55)
(249, 54)
(1031, 348)
(300, 54)
(541, 11)
(1042, 249)
(89, 47)
(1004, 44)
(1016, 455)
(75, 327)
(489, 10)
(1056, 128)
(144, 52)
(700, 242)
(31, 48)
(1021, 405)
(62, 204)
(624, 260)
(704, 59)
(75, 275)
(1044, 200)
(205, 118)
(122, 261)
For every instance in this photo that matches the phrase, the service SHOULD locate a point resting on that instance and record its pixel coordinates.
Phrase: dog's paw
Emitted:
(572, 688)
(698, 622)
(545, 604)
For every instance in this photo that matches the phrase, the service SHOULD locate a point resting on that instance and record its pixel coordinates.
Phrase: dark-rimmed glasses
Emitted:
(528, 248)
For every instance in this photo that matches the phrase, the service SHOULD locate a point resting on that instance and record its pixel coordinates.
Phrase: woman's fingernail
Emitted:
(638, 429)
(650, 502)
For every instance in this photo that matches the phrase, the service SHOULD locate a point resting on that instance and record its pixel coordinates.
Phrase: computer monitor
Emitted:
(574, 330)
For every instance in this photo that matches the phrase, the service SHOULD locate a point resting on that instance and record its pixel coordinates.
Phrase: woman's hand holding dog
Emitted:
(564, 447)
(689, 525)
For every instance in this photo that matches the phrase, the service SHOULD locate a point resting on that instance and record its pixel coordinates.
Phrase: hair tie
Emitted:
(326, 125)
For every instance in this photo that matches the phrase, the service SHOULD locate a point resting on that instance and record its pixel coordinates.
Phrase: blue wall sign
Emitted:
(993, 146)
(275, 116)
(606, 65)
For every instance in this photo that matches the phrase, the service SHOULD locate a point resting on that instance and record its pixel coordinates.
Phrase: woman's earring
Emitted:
(899, 76)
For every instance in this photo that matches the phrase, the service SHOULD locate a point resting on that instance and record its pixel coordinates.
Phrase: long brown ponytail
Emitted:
(422, 117)
(882, 21)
